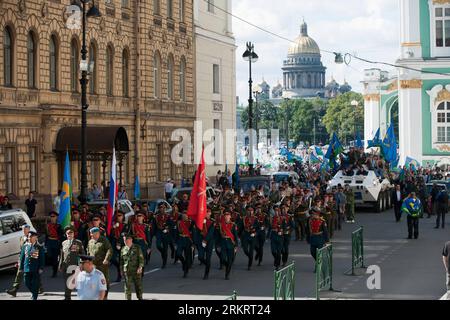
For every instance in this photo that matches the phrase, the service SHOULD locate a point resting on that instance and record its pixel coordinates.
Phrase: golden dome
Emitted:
(304, 44)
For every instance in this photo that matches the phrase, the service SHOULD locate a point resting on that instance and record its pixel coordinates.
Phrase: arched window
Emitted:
(53, 50)
(443, 122)
(109, 70)
(8, 56)
(182, 10)
(93, 74)
(170, 77)
(74, 62)
(183, 79)
(125, 73)
(31, 60)
(157, 75)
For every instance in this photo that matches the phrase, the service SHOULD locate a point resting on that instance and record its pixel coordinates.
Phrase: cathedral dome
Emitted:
(304, 44)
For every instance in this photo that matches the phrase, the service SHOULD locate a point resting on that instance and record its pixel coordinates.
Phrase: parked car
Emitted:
(124, 205)
(153, 204)
(11, 222)
(284, 176)
(210, 193)
(246, 184)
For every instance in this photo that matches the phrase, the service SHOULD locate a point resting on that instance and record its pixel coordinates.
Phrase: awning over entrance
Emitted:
(100, 141)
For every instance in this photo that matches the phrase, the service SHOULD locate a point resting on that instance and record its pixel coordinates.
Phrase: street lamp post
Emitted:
(250, 56)
(355, 104)
(92, 12)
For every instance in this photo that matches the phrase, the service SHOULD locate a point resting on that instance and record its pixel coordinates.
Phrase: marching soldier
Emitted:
(77, 224)
(350, 204)
(329, 214)
(53, 237)
(217, 236)
(317, 232)
(116, 240)
(251, 225)
(71, 250)
(132, 266)
(32, 262)
(184, 243)
(264, 223)
(175, 216)
(142, 234)
(206, 242)
(229, 238)
(19, 274)
(100, 248)
(301, 216)
(162, 227)
(276, 237)
(288, 226)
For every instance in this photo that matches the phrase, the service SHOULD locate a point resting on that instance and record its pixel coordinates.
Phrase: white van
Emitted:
(11, 222)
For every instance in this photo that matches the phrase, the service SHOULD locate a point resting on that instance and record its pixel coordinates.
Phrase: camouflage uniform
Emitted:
(101, 250)
(350, 205)
(131, 259)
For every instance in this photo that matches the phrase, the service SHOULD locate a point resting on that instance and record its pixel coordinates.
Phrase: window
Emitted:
(125, 3)
(74, 62)
(211, 6)
(183, 79)
(157, 7)
(33, 169)
(170, 9)
(93, 74)
(8, 57)
(157, 75)
(442, 26)
(109, 70)
(10, 169)
(53, 64)
(443, 122)
(216, 77)
(31, 60)
(170, 78)
(125, 73)
(182, 10)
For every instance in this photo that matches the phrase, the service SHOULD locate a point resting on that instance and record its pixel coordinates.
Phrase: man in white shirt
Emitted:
(168, 188)
(90, 282)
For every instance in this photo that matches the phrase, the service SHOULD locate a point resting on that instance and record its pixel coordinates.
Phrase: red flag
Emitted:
(197, 201)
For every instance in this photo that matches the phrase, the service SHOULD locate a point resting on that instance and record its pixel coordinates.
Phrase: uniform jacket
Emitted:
(131, 259)
(101, 250)
(70, 253)
(32, 258)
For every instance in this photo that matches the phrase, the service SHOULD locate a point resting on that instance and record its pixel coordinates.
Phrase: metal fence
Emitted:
(233, 297)
(357, 250)
(284, 283)
(324, 269)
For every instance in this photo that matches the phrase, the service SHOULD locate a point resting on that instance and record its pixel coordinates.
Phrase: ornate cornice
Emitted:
(443, 148)
(411, 44)
(372, 97)
(443, 95)
(411, 84)
(441, 1)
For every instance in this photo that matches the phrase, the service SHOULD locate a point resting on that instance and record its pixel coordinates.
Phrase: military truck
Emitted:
(369, 189)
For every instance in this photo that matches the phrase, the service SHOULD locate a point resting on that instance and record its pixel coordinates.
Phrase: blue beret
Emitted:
(94, 230)
(26, 226)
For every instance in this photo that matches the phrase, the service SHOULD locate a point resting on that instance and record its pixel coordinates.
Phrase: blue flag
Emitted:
(66, 194)
(335, 148)
(359, 143)
(376, 141)
(137, 189)
(389, 145)
(412, 163)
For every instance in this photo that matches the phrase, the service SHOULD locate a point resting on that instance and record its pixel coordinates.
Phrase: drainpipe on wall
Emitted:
(137, 122)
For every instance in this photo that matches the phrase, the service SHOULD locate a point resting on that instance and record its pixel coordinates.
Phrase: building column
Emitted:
(371, 116)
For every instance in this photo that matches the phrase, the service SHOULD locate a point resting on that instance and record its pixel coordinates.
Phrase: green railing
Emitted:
(233, 297)
(357, 250)
(324, 269)
(284, 283)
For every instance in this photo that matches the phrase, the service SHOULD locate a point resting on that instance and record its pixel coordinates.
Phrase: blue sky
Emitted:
(368, 28)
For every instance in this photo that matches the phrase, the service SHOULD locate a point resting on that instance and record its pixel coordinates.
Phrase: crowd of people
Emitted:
(286, 211)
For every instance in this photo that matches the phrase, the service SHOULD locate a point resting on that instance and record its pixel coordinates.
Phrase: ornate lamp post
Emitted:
(84, 67)
(250, 56)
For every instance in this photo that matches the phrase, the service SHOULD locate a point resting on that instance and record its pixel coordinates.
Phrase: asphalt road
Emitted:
(410, 269)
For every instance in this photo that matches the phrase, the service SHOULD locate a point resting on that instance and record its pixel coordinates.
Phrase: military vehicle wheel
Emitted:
(377, 205)
(383, 201)
(388, 197)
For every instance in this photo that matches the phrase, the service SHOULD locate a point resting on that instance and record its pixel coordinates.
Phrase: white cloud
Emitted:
(368, 28)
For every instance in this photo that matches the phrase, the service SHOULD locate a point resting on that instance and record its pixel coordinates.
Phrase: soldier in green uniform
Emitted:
(330, 213)
(100, 248)
(300, 216)
(350, 204)
(71, 250)
(131, 266)
(32, 262)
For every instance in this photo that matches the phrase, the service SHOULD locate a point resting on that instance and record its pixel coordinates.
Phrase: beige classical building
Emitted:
(141, 89)
(216, 78)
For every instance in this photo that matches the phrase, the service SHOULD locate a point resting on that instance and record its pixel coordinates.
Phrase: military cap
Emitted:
(128, 236)
(227, 213)
(140, 213)
(85, 258)
(251, 208)
(94, 230)
(32, 233)
(26, 226)
(53, 213)
(75, 211)
(96, 216)
(161, 204)
(120, 212)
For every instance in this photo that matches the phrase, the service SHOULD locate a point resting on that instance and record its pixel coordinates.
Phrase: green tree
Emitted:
(344, 118)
